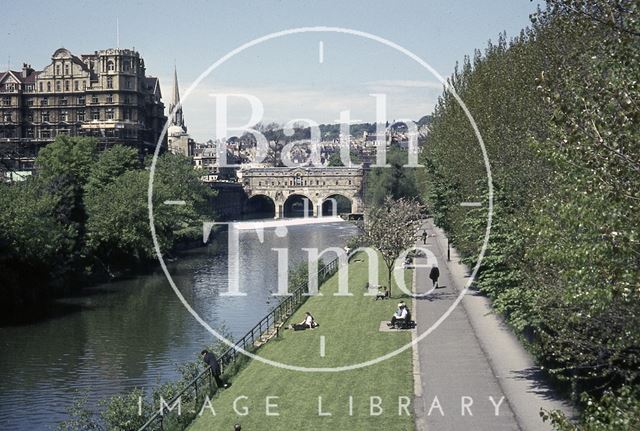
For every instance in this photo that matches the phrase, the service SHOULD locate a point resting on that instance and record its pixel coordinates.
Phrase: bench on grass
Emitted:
(405, 323)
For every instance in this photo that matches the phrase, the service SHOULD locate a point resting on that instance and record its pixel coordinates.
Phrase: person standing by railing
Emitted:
(214, 365)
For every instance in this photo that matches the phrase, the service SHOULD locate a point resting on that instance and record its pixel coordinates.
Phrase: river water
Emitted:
(132, 333)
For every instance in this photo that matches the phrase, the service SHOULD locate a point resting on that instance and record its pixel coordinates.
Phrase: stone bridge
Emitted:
(298, 191)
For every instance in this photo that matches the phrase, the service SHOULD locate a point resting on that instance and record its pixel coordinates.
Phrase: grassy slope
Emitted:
(350, 326)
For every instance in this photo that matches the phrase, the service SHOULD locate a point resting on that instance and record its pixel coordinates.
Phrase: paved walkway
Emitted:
(465, 367)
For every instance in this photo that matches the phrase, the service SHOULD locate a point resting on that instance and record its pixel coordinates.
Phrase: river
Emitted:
(133, 332)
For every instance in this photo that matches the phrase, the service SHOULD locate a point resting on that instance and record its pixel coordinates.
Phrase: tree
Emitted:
(118, 222)
(558, 114)
(335, 160)
(112, 163)
(396, 181)
(391, 229)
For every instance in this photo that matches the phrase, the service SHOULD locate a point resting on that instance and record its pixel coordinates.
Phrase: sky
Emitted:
(311, 76)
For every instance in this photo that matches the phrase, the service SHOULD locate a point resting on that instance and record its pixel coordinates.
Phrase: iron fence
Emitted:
(170, 415)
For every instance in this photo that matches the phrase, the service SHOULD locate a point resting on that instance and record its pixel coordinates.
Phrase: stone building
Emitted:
(314, 189)
(106, 95)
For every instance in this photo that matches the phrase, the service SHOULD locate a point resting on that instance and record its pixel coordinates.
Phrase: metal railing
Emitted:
(195, 392)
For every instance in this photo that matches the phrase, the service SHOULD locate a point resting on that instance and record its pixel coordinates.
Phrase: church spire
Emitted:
(178, 118)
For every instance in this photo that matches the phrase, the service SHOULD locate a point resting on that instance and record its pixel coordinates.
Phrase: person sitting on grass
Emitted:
(383, 293)
(400, 314)
(308, 323)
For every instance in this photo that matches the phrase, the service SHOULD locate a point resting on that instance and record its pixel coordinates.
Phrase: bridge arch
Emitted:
(336, 204)
(259, 206)
(294, 206)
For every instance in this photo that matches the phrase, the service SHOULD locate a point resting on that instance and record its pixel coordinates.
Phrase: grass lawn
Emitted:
(350, 327)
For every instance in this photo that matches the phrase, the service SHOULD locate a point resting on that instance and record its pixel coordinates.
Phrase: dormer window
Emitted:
(110, 66)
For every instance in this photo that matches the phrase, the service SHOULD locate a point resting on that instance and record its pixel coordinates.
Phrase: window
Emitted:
(127, 99)
(75, 86)
(40, 85)
(30, 117)
(110, 66)
(29, 132)
(6, 101)
(63, 101)
(94, 99)
(64, 116)
(57, 69)
(109, 82)
(7, 117)
(66, 86)
(80, 115)
(95, 114)
(66, 69)
(45, 133)
(49, 87)
(110, 98)
(84, 85)
(44, 101)
(45, 116)
(109, 114)
(58, 86)
(128, 83)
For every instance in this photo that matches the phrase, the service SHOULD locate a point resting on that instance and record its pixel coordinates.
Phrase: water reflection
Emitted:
(132, 333)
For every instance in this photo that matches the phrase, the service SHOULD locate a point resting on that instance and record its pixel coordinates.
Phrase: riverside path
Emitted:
(471, 373)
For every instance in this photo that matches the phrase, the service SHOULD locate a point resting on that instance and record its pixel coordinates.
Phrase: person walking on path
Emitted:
(434, 274)
(424, 237)
(211, 360)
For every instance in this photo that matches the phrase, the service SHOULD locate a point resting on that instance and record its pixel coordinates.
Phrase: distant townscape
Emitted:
(108, 95)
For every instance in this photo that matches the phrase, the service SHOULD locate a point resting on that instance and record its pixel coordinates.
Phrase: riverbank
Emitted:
(378, 396)
(43, 303)
(133, 332)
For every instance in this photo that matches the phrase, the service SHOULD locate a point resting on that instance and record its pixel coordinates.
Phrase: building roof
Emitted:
(153, 84)
(15, 74)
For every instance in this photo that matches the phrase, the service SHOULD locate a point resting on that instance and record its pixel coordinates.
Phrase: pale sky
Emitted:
(287, 73)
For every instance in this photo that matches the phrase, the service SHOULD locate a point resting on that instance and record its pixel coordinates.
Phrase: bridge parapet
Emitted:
(314, 183)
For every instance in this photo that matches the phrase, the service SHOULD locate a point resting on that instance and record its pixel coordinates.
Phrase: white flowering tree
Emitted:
(391, 228)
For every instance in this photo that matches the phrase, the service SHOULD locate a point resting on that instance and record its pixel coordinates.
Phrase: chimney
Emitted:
(26, 70)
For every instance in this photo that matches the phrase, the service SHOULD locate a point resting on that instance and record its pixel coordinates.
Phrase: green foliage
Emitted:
(110, 165)
(395, 180)
(80, 417)
(557, 109)
(391, 228)
(614, 411)
(120, 412)
(335, 160)
(84, 208)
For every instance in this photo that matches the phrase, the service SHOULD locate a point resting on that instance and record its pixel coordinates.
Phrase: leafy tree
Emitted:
(110, 164)
(391, 229)
(556, 108)
(118, 223)
(395, 181)
(335, 160)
